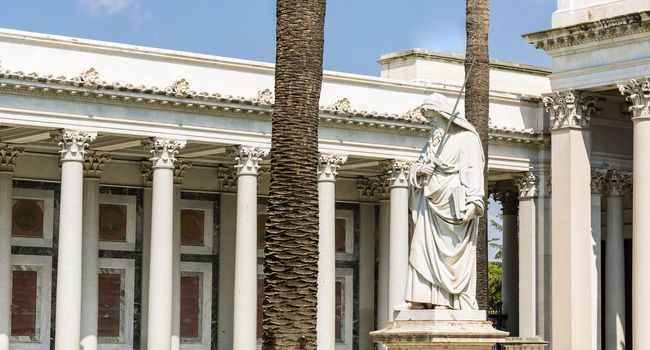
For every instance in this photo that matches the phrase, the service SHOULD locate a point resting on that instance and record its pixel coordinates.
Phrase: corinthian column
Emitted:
(328, 165)
(527, 184)
(93, 167)
(571, 221)
(638, 93)
(245, 315)
(179, 172)
(399, 232)
(161, 265)
(617, 183)
(8, 155)
(597, 189)
(68, 287)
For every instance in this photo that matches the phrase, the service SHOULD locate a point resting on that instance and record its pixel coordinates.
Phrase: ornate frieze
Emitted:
(163, 151)
(569, 109)
(527, 185)
(415, 115)
(94, 162)
(341, 106)
(248, 159)
(265, 97)
(397, 171)
(8, 155)
(89, 78)
(598, 181)
(618, 183)
(73, 143)
(180, 88)
(227, 176)
(328, 165)
(509, 202)
(179, 170)
(637, 92)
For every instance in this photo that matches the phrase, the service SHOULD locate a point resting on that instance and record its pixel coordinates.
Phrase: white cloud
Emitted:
(107, 6)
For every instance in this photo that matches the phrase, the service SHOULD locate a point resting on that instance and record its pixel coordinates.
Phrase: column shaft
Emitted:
(161, 265)
(228, 215)
(6, 204)
(527, 267)
(90, 243)
(367, 275)
(398, 246)
(245, 318)
(596, 270)
(176, 271)
(641, 234)
(615, 276)
(68, 286)
(510, 278)
(326, 311)
(383, 308)
(146, 260)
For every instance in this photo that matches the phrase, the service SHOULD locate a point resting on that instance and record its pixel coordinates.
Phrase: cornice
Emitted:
(88, 86)
(582, 33)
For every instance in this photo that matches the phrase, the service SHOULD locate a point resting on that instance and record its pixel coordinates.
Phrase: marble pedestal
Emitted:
(524, 343)
(439, 329)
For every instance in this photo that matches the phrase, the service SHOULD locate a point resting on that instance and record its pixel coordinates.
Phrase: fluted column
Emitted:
(93, 168)
(617, 183)
(399, 232)
(571, 221)
(597, 188)
(179, 172)
(527, 185)
(161, 265)
(8, 155)
(510, 263)
(328, 165)
(638, 93)
(68, 287)
(245, 315)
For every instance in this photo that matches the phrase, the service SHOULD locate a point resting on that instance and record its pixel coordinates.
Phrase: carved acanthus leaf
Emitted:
(328, 165)
(94, 162)
(527, 185)
(73, 143)
(265, 97)
(598, 181)
(227, 176)
(341, 106)
(638, 94)
(180, 88)
(146, 171)
(248, 159)
(163, 151)
(89, 78)
(179, 169)
(570, 108)
(618, 183)
(397, 171)
(8, 155)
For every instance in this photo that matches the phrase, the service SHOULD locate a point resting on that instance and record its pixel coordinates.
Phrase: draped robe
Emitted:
(442, 258)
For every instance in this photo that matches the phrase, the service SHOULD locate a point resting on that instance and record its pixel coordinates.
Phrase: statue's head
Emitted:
(438, 110)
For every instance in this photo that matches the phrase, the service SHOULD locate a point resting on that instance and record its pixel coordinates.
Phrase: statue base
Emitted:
(439, 329)
(524, 343)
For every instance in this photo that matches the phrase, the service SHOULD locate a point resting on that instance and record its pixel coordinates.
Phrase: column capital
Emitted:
(163, 151)
(180, 167)
(8, 155)
(397, 171)
(527, 185)
(328, 165)
(509, 202)
(637, 92)
(617, 182)
(227, 177)
(569, 109)
(73, 143)
(598, 181)
(248, 159)
(373, 189)
(146, 171)
(94, 162)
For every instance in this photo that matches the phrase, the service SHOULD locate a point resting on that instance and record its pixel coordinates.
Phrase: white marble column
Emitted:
(8, 155)
(147, 178)
(617, 183)
(328, 165)
(597, 188)
(161, 265)
(93, 167)
(527, 185)
(68, 287)
(572, 250)
(245, 315)
(383, 257)
(638, 93)
(368, 215)
(510, 263)
(179, 172)
(399, 233)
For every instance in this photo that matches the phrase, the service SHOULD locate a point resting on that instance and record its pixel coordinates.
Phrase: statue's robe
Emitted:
(442, 258)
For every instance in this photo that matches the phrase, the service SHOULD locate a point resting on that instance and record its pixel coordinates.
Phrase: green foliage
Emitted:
(495, 273)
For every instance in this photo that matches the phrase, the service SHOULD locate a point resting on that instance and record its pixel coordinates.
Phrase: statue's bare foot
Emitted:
(442, 307)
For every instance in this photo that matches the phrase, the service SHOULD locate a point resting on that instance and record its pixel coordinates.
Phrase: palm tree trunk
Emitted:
(291, 253)
(477, 110)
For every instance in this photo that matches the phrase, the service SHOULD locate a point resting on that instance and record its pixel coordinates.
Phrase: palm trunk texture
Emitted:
(291, 253)
(477, 110)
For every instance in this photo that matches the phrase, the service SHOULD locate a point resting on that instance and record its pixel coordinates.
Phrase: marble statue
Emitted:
(447, 199)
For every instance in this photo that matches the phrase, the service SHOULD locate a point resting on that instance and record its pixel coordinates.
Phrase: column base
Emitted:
(439, 329)
(524, 343)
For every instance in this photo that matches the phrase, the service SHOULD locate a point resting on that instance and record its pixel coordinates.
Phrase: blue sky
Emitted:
(357, 31)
